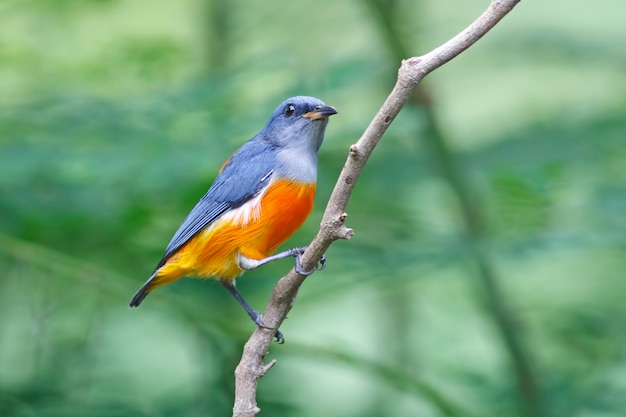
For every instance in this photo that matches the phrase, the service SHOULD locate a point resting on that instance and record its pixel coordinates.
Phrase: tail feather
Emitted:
(142, 292)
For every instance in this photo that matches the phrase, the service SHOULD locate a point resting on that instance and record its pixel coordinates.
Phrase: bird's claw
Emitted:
(300, 270)
(258, 319)
(321, 264)
(280, 339)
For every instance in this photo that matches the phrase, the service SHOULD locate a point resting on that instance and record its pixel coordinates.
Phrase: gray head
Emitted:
(299, 124)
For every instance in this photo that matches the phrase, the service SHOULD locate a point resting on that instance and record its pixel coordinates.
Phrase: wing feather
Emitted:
(242, 178)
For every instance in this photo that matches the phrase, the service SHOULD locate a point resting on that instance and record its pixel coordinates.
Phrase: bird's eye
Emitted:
(290, 110)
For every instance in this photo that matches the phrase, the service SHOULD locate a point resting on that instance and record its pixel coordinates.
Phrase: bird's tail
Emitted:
(142, 292)
(161, 276)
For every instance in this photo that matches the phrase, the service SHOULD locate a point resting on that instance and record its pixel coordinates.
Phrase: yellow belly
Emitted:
(254, 230)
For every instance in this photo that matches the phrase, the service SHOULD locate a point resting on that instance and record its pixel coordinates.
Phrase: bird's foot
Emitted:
(298, 258)
(258, 319)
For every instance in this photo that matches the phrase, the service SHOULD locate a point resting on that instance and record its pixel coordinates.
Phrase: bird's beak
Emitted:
(321, 112)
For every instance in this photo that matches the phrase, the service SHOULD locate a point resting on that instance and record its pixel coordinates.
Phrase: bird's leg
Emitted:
(248, 263)
(256, 317)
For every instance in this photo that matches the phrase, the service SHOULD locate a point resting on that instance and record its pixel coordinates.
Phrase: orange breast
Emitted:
(255, 230)
(284, 207)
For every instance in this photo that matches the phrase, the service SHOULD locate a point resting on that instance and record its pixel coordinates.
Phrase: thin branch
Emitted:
(251, 368)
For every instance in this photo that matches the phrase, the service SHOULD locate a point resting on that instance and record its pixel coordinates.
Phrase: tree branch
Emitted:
(251, 368)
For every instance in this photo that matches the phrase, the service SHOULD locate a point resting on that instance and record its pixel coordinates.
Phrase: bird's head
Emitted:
(299, 123)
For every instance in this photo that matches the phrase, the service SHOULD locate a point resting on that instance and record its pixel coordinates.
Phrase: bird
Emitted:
(263, 193)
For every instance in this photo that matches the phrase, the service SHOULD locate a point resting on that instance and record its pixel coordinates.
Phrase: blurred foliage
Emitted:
(116, 116)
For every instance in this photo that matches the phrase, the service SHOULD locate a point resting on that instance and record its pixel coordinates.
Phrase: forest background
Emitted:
(487, 279)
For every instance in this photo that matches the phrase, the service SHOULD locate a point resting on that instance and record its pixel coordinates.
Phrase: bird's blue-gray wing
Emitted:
(245, 175)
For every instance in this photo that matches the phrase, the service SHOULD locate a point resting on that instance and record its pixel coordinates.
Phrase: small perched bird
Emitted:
(262, 195)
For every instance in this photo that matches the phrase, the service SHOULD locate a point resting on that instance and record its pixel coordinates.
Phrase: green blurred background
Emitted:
(486, 276)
